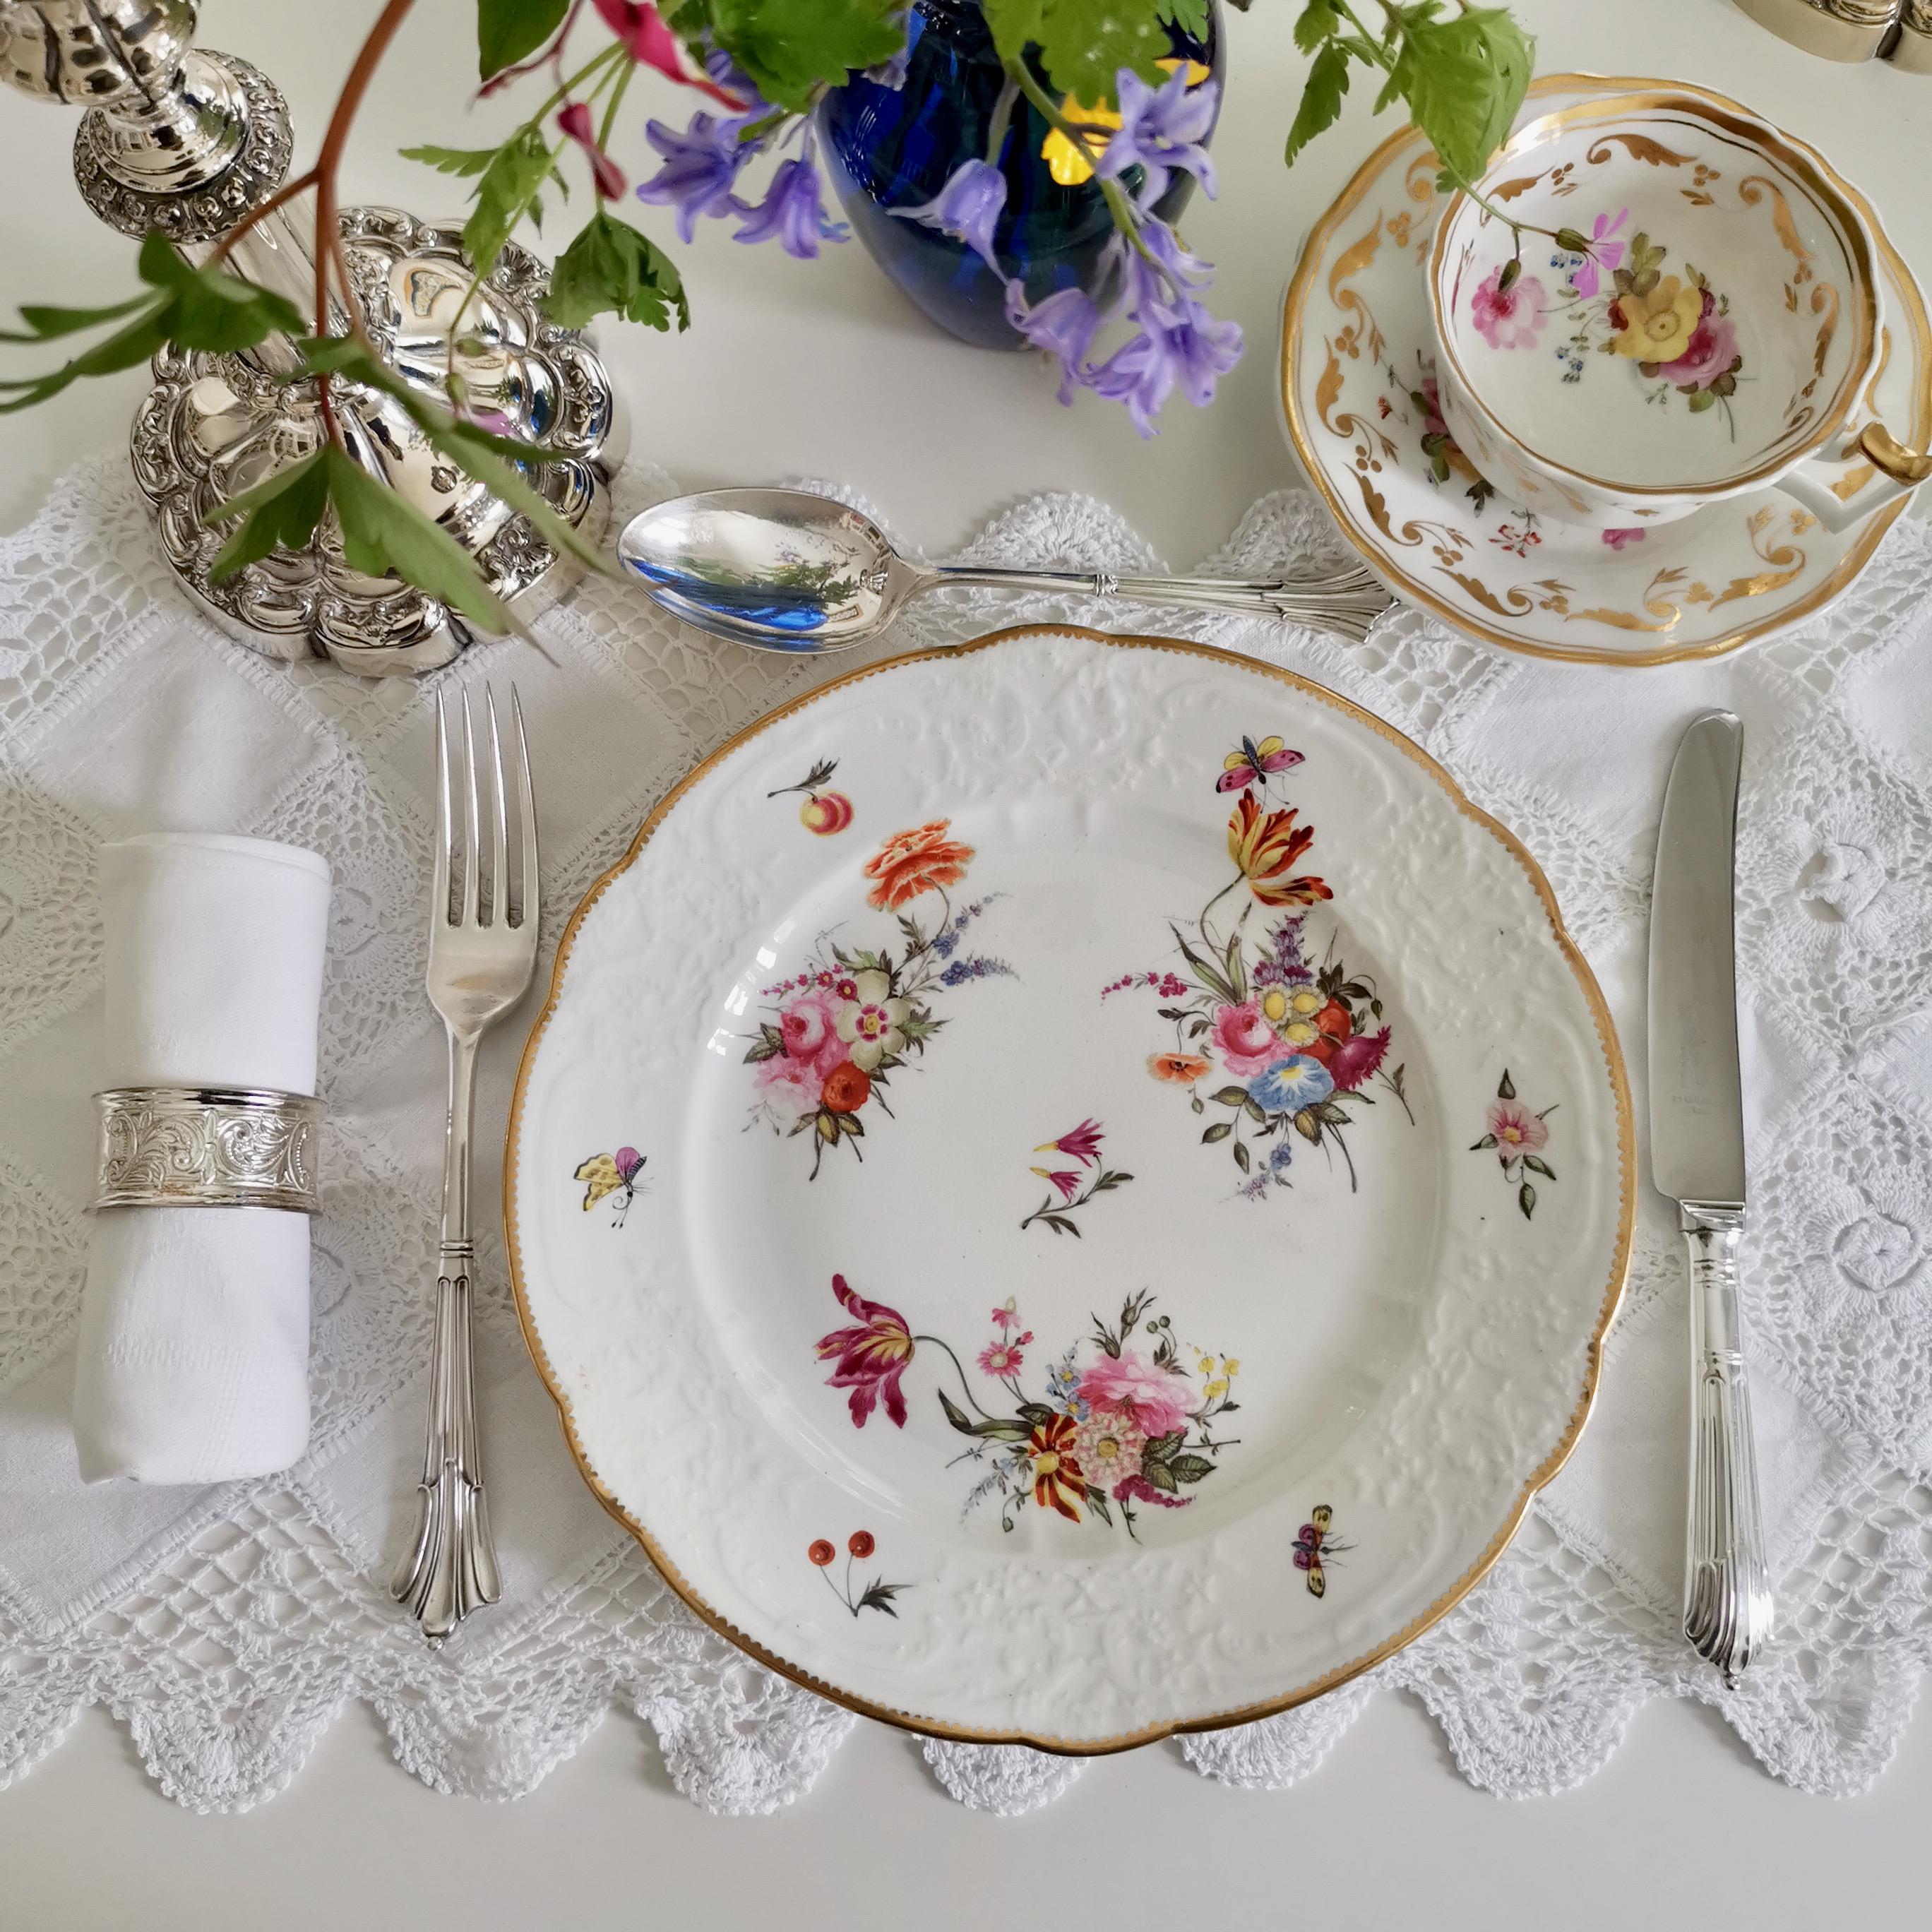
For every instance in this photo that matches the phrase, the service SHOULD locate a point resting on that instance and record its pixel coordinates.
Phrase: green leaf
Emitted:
(383, 532)
(508, 31)
(1483, 1145)
(123, 349)
(209, 309)
(1163, 1448)
(504, 192)
(1317, 22)
(1191, 1469)
(1096, 1501)
(44, 323)
(789, 51)
(1082, 44)
(476, 452)
(1525, 1199)
(1231, 1097)
(611, 268)
(1464, 78)
(1219, 1131)
(955, 1414)
(1537, 1165)
(1190, 16)
(1321, 98)
(879, 1597)
(1506, 1087)
(281, 512)
(1160, 1475)
(465, 161)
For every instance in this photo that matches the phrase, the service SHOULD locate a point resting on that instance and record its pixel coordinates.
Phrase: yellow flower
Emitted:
(1656, 327)
(1230, 1364)
(1306, 1000)
(1299, 1033)
(1274, 1005)
(1219, 1386)
(1066, 160)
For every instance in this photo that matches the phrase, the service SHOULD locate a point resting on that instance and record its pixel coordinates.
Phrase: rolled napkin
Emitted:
(193, 1344)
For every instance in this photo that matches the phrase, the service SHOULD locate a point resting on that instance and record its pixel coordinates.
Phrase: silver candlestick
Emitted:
(187, 141)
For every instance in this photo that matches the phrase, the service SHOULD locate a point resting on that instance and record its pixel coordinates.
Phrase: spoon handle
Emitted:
(1348, 600)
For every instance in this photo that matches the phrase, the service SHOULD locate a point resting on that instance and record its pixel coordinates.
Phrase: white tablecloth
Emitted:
(228, 1627)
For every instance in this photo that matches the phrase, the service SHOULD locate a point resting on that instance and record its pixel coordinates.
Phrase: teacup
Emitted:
(1705, 323)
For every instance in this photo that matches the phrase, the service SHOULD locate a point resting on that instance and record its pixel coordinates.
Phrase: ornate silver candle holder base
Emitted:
(189, 142)
(215, 425)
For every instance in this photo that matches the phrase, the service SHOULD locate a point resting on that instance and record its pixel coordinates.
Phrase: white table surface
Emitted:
(821, 369)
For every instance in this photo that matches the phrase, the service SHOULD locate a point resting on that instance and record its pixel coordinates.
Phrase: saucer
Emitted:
(1359, 399)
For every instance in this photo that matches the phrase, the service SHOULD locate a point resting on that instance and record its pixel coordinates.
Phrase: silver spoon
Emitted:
(784, 570)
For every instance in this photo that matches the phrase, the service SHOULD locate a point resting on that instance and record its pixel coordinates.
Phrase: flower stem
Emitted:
(963, 1382)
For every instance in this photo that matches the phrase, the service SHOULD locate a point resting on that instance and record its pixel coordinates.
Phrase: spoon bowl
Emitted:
(786, 570)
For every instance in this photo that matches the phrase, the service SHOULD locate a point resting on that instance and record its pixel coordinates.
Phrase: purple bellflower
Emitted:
(968, 207)
(1161, 130)
(793, 210)
(701, 171)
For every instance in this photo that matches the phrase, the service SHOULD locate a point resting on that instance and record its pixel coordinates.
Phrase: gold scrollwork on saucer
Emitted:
(208, 1147)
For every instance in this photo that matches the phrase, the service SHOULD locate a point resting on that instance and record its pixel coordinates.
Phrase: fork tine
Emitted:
(500, 830)
(438, 899)
(472, 888)
(526, 813)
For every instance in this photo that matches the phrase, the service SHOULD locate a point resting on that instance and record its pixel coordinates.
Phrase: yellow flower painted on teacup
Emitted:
(1657, 326)
(1065, 161)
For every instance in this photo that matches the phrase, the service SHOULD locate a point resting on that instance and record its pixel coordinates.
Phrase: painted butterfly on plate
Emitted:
(1255, 764)
(1312, 1543)
(604, 1174)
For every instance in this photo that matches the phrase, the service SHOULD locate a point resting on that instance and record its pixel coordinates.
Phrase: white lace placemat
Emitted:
(227, 1627)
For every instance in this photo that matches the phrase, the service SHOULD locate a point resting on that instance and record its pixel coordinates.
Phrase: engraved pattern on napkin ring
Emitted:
(208, 1147)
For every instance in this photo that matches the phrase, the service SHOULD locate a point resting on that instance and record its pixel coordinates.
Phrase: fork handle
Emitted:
(1727, 1604)
(450, 1569)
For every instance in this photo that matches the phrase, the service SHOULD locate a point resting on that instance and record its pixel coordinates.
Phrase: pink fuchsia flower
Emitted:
(1507, 318)
(809, 1025)
(1246, 1041)
(1081, 1144)
(1618, 539)
(869, 1357)
(1356, 1061)
(574, 120)
(1001, 1358)
(1128, 1385)
(1712, 349)
(1516, 1129)
(648, 41)
(1586, 278)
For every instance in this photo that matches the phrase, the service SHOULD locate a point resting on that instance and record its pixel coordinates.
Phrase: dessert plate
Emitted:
(1069, 1190)
(1359, 401)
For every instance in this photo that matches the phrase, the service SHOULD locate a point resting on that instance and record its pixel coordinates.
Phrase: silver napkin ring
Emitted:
(208, 1147)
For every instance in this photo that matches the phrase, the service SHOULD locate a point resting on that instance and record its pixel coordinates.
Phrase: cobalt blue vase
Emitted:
(889, 147)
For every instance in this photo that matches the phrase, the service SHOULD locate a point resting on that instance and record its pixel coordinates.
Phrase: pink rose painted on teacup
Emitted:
(1712, 350)
(1507, 318)
(1248, 1044)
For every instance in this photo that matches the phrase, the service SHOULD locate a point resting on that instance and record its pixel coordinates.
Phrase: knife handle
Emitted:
(1727, 1606)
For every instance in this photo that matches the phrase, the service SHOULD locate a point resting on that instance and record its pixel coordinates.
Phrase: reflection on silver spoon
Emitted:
(784, 570)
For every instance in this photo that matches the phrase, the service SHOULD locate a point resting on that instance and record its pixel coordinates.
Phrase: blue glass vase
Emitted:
(894, 147)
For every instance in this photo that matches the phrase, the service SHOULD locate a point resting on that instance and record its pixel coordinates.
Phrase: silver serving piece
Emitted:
(483, 909)
(1697, 1157)
(784, 570)
(208, 1147)
(1837, 30)
(187, 141)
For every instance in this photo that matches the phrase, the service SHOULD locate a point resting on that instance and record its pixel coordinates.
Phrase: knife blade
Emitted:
(1696, 1099)
(1697, 1157)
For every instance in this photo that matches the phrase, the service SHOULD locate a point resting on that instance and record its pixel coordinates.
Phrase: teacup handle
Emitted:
(1901, 470)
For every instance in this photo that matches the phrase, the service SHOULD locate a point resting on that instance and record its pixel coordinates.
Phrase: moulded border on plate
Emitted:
(1544, 1471)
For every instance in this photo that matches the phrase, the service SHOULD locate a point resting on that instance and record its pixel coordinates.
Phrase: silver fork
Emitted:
(482, 948)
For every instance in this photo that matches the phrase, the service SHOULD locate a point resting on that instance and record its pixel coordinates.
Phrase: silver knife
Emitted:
(1697, 1158)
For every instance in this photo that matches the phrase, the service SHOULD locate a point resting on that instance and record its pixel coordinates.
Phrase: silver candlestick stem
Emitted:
(187, 141)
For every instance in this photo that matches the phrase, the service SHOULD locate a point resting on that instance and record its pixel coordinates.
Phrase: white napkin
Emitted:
(193, 1344)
